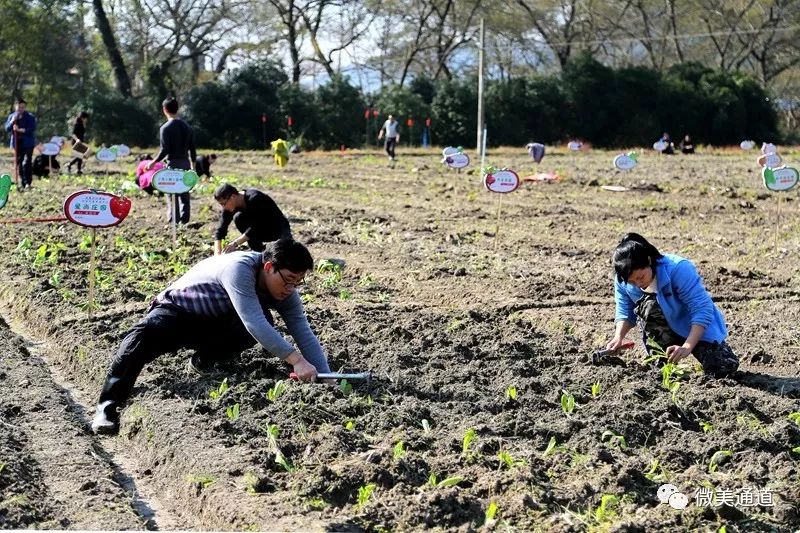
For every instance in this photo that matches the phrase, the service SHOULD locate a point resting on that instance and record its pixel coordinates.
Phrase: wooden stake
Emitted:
(90, 307)
(777, 222)
(497, 220)
(173, 208)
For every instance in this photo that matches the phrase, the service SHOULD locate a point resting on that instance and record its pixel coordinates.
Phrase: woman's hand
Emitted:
(676, 353)
(615, 343)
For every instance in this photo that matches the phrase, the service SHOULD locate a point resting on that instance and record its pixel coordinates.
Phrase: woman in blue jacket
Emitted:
(667, 295)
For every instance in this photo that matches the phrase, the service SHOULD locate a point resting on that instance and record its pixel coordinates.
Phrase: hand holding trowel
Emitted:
(599, 355)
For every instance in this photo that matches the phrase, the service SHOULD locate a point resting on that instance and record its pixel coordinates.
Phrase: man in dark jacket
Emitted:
(254, 213)
(22, 127)
(202, 165)
(177, 145)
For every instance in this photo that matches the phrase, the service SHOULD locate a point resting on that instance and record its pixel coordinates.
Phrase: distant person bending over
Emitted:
(255, 215)
(666, 293)
(219, 308)
(202, 165)
(22, 127)
(78, 136)
(687, 147)
(670, 149)
(390, 129)
(177, 145)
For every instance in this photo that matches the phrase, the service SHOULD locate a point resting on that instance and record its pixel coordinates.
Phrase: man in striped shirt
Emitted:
(219, 308)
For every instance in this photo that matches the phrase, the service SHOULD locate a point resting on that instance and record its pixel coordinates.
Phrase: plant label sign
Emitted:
(455, 159)
(575, 145)
(122, 150)
(5, 188)
(94, 209)
(768, 148)
(772, 160)
(57, 140)
(174, 181)
(106, 155)
(747, 145)
(625, 161)
(660, 146)
(50, 149)
(451, 150)
(780, 179)
(502, 181)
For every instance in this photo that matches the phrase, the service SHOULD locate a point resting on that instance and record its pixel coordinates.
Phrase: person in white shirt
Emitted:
(391, 130)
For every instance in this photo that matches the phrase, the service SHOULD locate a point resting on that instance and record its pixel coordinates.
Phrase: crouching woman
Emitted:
(666, 294)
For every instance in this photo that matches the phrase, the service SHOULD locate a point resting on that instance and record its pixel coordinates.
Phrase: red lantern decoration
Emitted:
(263, 118)
(289, 121)
(410, 122)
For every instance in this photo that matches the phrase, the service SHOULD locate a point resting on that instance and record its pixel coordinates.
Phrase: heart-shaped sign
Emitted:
(5, 188)
(96, 209)
(49, 149)
(502, 181)
(747, 145)
(174, 181)
(771, 160)
(768, 148)
(106, 155)
(625, 161)
(123, 150)
(780, 179)
(575, 145)
(660, 146)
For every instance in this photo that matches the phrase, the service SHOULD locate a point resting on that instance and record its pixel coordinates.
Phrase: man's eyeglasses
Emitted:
(224, 202)
(290, 285)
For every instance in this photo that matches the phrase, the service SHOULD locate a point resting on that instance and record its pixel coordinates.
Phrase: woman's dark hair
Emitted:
(633, 252)
(224, 191)
(289, 254)
(83, 115)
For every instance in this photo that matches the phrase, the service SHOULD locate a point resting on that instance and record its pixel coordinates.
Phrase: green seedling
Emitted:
(399, 450)
(606, 511)
(233, 412)
(331, 272)
(656, 351)
(595, 389)
(491, 511)
(657, 473)
(273, 432)
(469, 438)
(670, 374)
(204, 480)
(796, 450)
(508, 460)
(345, 387)
(276, 390)
(350, 425)
(614, 439)
(551, 447)
(344, 294)
(794, 417)
(567, 402)
(707, 427)
(511, 393)
(217, 393)
(719, 458)
(2, 466)
(364, 494)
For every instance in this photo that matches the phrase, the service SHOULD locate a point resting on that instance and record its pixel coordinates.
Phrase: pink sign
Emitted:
(94, 209)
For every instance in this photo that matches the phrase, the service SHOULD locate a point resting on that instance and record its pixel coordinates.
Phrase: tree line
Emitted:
(613, 72)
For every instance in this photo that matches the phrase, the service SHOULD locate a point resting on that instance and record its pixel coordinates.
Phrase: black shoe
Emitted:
(197, 365)
(106, 419)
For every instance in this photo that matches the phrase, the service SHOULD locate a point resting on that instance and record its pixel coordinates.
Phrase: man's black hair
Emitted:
(213, 156)
(83, 115)
(633, 252)
(170, 103)
(224, 191)
(21, 101)
(289, 254)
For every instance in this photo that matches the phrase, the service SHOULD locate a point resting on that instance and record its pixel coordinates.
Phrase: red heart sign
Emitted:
(120, 206)
(489, 179)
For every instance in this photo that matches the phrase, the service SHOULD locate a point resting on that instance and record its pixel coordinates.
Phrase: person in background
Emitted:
(687, 146)
(202, 165)
(665, 293)
(177, 145)
(78, 136)
(22, 127)
(670, 148)
(255, 215)
(219, 308)
(391, 131)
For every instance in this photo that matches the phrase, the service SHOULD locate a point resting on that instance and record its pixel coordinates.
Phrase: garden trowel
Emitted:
(600, 354)
(361, 376)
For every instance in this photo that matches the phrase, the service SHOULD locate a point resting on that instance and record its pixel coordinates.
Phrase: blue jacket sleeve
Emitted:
(688, 287)
(624, 304)
(9, 122)
(291, 309)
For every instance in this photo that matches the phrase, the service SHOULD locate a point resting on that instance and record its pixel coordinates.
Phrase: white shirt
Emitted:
(390, 126)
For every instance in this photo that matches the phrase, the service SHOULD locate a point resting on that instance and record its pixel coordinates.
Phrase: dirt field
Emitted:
(451, 319)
